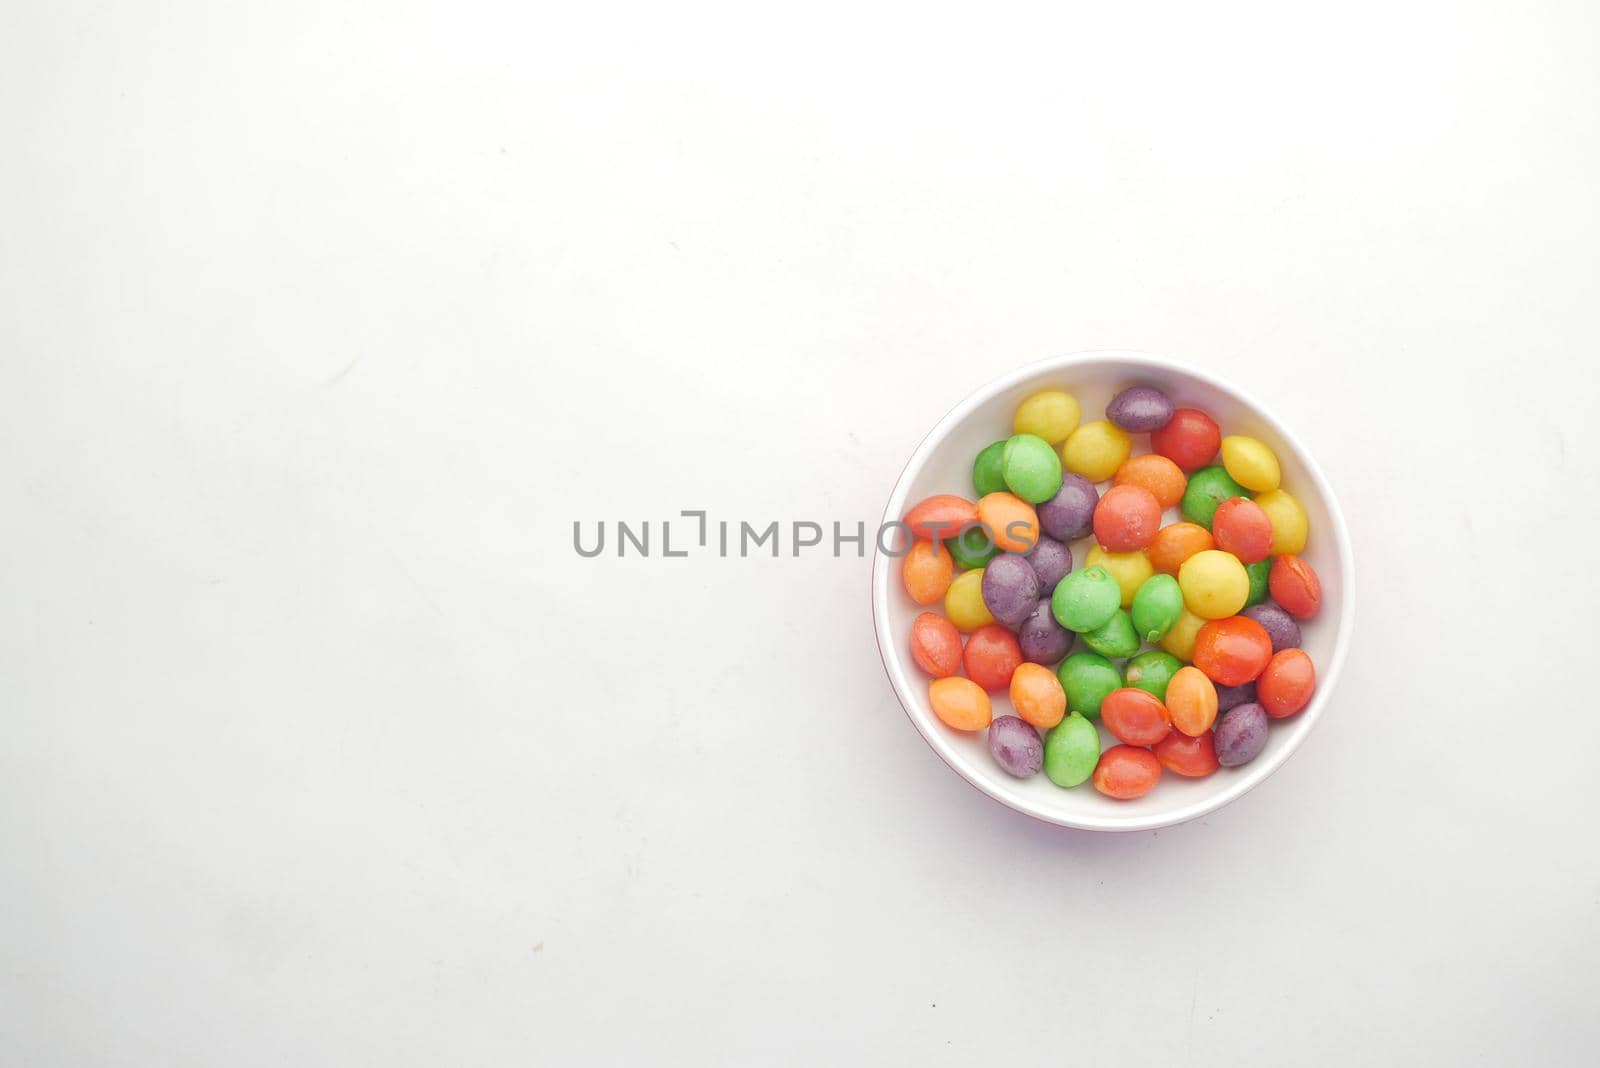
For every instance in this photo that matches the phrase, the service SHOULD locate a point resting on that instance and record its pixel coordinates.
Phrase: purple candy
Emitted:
(1240, 735)
(1140, 409)
(1016, 747)
(1279, 625)
(1043, 640)
(1010, 588)
(1069, 515)
(1051, 561)
(1231, 697)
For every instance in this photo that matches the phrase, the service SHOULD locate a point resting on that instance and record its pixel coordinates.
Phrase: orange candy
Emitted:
(1176, 543)
(1194, 757)
(1242, 528)
(1192, 701)
(991, 657)
(941, 516)
(1288, 682)
(960, 703)
(1037, 695)
(1163, 478)
(1232, 651)
(1126, 772)
(1126, 519)
(1135, 716)
(926, 571)
(1011, 520)
(1295, 587)
(936, 645)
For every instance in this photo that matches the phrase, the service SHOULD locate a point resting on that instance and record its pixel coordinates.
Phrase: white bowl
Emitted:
(942, 463)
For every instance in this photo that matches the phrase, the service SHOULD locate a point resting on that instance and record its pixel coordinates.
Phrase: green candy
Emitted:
(973, 548)
(1115, 638)
(1088, 678)
(1031, 468)
(1208, 488)
(1086, 599)
(1157, 606)
(986, 476)
(1258, 573)
(1071, 751)
(1151, 670)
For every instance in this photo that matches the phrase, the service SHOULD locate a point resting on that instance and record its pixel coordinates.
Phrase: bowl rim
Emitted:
(1256, 772)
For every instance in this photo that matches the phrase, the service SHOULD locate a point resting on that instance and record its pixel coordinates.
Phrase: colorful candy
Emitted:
(1279, 625)
(1151, 671)
(935, 645)
(926, 571)
(1176, 543)
(1127, 518)
(1096, 450)
(991, 657)
(1232, 651)
(1129, 569)
(1241, 734)
(1190, 439)
(940, 516)
(1289, 522)
(1164, 479)
(1086, 599)
(1126, 772)
(1140, 409)
(1251, 463)
(1051, 415)
(987, 476)
(1016, 747)
(1043, 640)
(1193, 757)
(1114, 638)
(1069, 515)
(960, 703)
(1192, 701)
(1157, 607)
(1051, 560)
(1214, 584)
(1031, 468)
(973, 547)
(1012, 522)
(1071, 751)
(1037, 695)
(1135, 717)
(1010, 588)
(1207, 489)
(1087, 678)
(963, 602)
(1295, 586)
(1243, 529)
(1286, 683)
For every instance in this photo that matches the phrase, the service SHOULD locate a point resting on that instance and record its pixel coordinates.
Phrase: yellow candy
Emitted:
(1096, 450)
(1215, 584)
(1051, 415)
(1129, 569)
(1179, 641)
(1250, 463)
(963, 602)
(1288, 522)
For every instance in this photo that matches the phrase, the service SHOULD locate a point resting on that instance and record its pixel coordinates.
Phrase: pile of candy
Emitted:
(1228, 659)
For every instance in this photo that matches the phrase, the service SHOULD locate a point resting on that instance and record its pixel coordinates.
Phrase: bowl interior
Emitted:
(943, 464)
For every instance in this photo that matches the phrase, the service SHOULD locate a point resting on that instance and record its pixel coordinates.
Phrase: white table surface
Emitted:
(321, 323)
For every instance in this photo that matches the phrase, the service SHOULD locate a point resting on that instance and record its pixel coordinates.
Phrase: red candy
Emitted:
(1232, 651)
(1242, 528)
(1295, 586)
(1288, 682)
(941, 517)
(1190, 440)
(1192, 757)
(1127, 518)
(1135, 716)
(991, 656)
(1126, 772)
(936, 645)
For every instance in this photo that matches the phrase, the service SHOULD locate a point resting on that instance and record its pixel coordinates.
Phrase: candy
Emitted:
(1243, 529)
(1087, 678)
(1259, 573)
(1129, 569)
(1051, 560)
(1279, 625)
(1012, 522)
(973, 547)
(1194, 758)
(1135, 717)
(1096, 450)
(1051, 415)
(1192, 701)
(926, 571)
(1140, 409)
(1251, 463)
(1295, 587)
(1208, 488)
(1114, 638)
(1231, 697)
(960, 703)
(1010, 588)
(1127, 518)
(1126, 772)
(1037, 695)
(1289, 523)
(963, 602)
(1176, 543)
(991, 657)
(1190, 439)
(1163, 478)
(940, 516)
(1069, 515)
(1157, 607)
(1071, 751)
(1016, 747)
(1031, 468)
(1180, 639)
(1086, 599)
(1232, 651)
(1287, 683)
(986, 474)
(1241, 734)
(1151, 671)
(935, 645)
(1043, 640)
(1214, 584)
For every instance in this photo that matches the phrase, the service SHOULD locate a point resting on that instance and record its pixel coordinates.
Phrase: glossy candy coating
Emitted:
(1214, 584)
(1131, 570)
(1126, 772)
(935, 645)
(1016, 747)
(1096, 450)
(991, 657)
(1279, 625)
(1037, 695)
(1071, 751)
(1208, 488)
(926, 571)
(1115, 638)
(1069, 515)
(963, 602)
(1287, 683)
(1295, 587)
(1176, 543)
(1242, 528)
(1251, 463)
(986, 472)
(1087, 678)
(1051, 414)
(1051, 560)
(973, 547)
(1031, 468)
(1231, 697)
(1157, 607)
(1086, 599)
(960, 703)
(1180, 639)
(1259, 573)
(1192, 701)
(1135, 717)
(1043, 640)
(1290, 527)
(1140, 409)
(1240, 735)
(1232, 651)
(1190, 439)
(1164, 479)
(1127, 518)
(1151, 671)
(1010, 588)
(940, 516)
(1012, 522)
(1191, 757)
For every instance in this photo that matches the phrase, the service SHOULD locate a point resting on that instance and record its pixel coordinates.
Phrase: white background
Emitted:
(321, 323)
